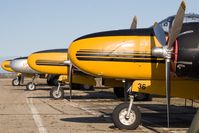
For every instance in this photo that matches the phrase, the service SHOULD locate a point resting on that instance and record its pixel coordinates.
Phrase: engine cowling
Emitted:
(21, 65)
(188, 51)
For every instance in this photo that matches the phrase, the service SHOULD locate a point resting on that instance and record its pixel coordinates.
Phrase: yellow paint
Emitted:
(116, 44)
(78, 78)
(53, 56)
(179, 88)
(6, 66)
(63, 78)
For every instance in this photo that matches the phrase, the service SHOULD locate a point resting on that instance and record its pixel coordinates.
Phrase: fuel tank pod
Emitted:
(6, 66)
(49, 61)
(123, 54)
(21, 65)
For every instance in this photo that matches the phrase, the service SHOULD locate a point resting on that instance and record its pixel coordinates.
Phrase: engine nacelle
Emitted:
(21, 65)
(188, 51)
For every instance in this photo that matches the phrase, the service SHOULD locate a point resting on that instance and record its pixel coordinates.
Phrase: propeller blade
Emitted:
(166, 51)
(160, 34)
(134, 23)
(177, 25)
(168, 86)
(70, 79)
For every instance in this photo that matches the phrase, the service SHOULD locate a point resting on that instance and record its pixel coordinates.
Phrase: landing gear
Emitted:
(57, 92)
(15, 82)
(119, 93)
(126, 116)
(31, 85)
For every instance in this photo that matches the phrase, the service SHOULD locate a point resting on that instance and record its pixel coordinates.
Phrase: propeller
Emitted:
(134, 23)
(167, 47)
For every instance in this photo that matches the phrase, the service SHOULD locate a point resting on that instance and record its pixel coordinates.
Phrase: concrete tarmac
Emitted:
(88, 112)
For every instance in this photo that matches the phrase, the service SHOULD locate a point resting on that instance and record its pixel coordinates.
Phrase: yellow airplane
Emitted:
(21, 66)
(147, 59)
(55, 62)
(52, 62)
(6, 66)
(51, 79)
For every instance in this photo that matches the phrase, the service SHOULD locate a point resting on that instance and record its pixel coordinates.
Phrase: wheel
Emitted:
(142, 97)
(57, 94)
(120, 120)
(119, 92)
(15, 82)
(31, 86)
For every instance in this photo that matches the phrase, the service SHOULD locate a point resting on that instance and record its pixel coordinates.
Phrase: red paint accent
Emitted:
(175, 55)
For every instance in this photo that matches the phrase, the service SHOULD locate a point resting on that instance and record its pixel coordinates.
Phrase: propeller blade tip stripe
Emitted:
(183, 5)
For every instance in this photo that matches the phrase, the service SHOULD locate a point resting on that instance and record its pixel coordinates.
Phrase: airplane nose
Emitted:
(49, 61)
(71, 53)
(6, 66)
(74, 48)
(21, 65)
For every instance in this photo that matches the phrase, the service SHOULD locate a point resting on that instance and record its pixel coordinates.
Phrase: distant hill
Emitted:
(5, 58)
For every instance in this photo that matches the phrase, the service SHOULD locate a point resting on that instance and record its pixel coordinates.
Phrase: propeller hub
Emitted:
(67, 62)
(162, 52)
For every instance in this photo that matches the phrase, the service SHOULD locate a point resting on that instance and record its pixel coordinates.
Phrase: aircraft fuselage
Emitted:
(127, 54)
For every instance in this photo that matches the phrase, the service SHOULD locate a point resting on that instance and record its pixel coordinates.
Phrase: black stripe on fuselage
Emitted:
(116, 56)
(120, 60)
(125, 32)
(53, 51)
(110, 52)
(137, 54)
(20, 58)
(7, 66)
(50, 63)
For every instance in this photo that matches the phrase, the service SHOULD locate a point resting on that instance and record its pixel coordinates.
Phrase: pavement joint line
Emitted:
(76, 105)
(36, 116)
(165, 129)
(144, 129)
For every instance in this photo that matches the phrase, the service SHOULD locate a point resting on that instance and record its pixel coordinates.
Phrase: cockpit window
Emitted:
(188, 18)
(191, 18)
(166, 23)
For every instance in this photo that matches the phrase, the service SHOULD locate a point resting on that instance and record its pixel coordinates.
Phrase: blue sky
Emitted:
(27, 26)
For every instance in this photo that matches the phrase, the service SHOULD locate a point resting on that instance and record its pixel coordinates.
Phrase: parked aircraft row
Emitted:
(54, 66)
(161, 59)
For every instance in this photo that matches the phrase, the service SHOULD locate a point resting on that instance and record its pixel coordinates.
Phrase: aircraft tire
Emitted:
(119, 92)
(15, 82)
(56, 95)
(31, 86)
(119, 117)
